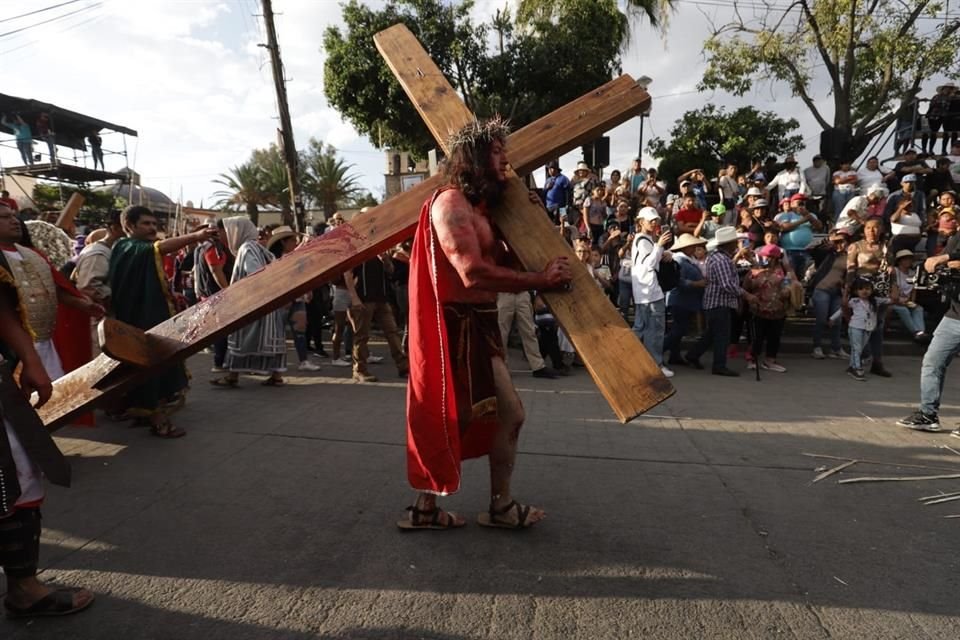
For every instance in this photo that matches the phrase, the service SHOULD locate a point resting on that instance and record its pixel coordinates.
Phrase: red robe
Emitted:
(435, 448)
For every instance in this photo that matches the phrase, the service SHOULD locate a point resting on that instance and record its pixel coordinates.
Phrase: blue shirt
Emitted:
(557, 190)
(685, 296)
(798, 239)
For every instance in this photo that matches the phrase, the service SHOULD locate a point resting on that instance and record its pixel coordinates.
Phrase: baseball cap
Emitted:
(910, 177)
(649, 214)
(798, 197)
(718, 209)
(770, 251)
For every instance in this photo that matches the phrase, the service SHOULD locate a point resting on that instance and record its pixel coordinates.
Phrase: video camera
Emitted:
(944, 281)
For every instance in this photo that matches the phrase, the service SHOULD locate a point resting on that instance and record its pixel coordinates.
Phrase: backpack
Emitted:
(668, 273)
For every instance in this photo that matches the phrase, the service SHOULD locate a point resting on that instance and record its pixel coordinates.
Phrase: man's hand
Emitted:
(94, 310)
(205, 233)
(33, 377)
(557, 273)
(665, 238)
(931, 264)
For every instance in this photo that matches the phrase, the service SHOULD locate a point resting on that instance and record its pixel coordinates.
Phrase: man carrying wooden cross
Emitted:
(461, 402)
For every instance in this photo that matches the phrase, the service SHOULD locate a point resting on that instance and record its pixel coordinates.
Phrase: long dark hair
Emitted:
(862, 283)
(468, 169)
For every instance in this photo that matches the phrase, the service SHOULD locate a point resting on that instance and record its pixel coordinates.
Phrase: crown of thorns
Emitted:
(495, 128)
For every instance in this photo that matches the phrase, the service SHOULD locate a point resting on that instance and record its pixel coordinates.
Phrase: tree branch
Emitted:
(799, 88)
(821, 47)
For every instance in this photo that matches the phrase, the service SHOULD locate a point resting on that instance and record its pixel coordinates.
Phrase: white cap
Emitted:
(649, 214)
(754, 191)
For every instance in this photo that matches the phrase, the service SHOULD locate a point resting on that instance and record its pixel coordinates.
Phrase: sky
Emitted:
(189, 76)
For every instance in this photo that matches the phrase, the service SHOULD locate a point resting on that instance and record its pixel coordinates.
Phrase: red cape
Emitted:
(434, 445)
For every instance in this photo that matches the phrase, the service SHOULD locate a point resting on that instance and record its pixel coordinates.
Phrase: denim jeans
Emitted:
(912, 319)
(840, 200)
(625, 296)
(825, 304)
(717, 336)
(800, 260)
(858, 340)
(942, 349)
(649, 324)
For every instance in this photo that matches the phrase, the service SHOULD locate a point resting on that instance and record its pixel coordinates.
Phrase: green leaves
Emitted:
(875, 55)
(327, 181)
(709, 137)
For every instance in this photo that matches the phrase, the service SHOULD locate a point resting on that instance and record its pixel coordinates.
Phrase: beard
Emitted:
(495, 189)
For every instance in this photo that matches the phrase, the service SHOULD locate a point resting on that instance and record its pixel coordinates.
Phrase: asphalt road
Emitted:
(275, 517)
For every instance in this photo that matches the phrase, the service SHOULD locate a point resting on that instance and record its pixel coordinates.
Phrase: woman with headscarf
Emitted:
(260, 347)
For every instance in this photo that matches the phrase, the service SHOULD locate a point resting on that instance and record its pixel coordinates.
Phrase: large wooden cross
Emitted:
(623, 370)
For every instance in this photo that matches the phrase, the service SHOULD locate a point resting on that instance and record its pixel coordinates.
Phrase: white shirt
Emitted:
(729, 187)
(867, 178)
(846, 186)
(909, 225)
(789, 180)
(646, 254)
(859, 205)
(955, 168)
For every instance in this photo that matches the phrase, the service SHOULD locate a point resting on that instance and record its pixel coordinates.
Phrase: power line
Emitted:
(60, 17)
(64, 30)
(30, 13)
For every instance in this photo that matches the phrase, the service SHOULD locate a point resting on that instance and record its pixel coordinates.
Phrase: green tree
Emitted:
(874, 54)
(273, 179)
(327, 181)
(535, 65)
(358, 83)
(708, 138)
(244, 190)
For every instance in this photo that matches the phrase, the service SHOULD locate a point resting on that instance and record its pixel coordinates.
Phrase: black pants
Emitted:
(20, 543)
(767, 331)
(716, 336)
(548, 341)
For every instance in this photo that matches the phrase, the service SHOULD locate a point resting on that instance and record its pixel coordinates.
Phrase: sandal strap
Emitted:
(434, 514)
(523, 512)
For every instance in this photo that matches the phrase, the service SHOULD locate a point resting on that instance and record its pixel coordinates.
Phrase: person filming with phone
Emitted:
(648, 252)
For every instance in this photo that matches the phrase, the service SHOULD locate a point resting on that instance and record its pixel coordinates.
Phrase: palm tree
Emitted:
(244, 188)
(533, 12)
(326, 178)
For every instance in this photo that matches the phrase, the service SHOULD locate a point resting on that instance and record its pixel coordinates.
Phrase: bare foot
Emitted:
(27, 593)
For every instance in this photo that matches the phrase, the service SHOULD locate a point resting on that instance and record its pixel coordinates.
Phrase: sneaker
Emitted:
(667, 373)
(306, 365)
(856, 374)
(342, 362)
(956, 432)
(818, 353)
(374, 359)
(216, 369)
(920, 421)
(545, 372)
(776, 367)
(364, 377)
(839, 355)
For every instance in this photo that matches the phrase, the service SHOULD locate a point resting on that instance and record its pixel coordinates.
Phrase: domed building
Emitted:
(130, 191)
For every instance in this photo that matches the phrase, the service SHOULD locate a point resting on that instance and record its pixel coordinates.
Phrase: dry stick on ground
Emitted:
(953, 516)
(830, 472)
(938, 501)
(953, 476)
(879, 462)
(938, 495)
(949, 448)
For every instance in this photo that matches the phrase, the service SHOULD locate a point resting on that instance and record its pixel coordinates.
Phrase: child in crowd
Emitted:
(864, 306)
(767, 282)
(943, 225)
(903, 294)
(595, 213)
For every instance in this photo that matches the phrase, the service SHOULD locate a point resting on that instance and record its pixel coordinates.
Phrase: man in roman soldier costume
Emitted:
(461, 402)
(27, 452)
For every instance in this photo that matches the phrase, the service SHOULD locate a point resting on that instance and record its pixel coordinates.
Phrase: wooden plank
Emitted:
(70, 211)
(130, 345)
(324, 258)
(621, 366)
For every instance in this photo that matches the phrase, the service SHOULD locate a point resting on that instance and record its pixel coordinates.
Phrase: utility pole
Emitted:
(289, 149)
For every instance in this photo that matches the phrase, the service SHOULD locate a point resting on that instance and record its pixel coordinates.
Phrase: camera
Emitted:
(944, 281)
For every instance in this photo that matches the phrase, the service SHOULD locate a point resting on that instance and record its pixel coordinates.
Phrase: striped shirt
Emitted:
(723, 285)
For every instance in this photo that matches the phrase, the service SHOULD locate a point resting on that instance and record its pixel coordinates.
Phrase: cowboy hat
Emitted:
(280, 233)
(725, 235)
(687, 240)
(583, 166)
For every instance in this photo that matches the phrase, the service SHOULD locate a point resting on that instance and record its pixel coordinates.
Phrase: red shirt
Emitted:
(689, 216)
(10, 202)
(214, 257)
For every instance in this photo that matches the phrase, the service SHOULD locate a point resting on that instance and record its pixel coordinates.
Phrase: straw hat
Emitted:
(280, 233)
(687, 240)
